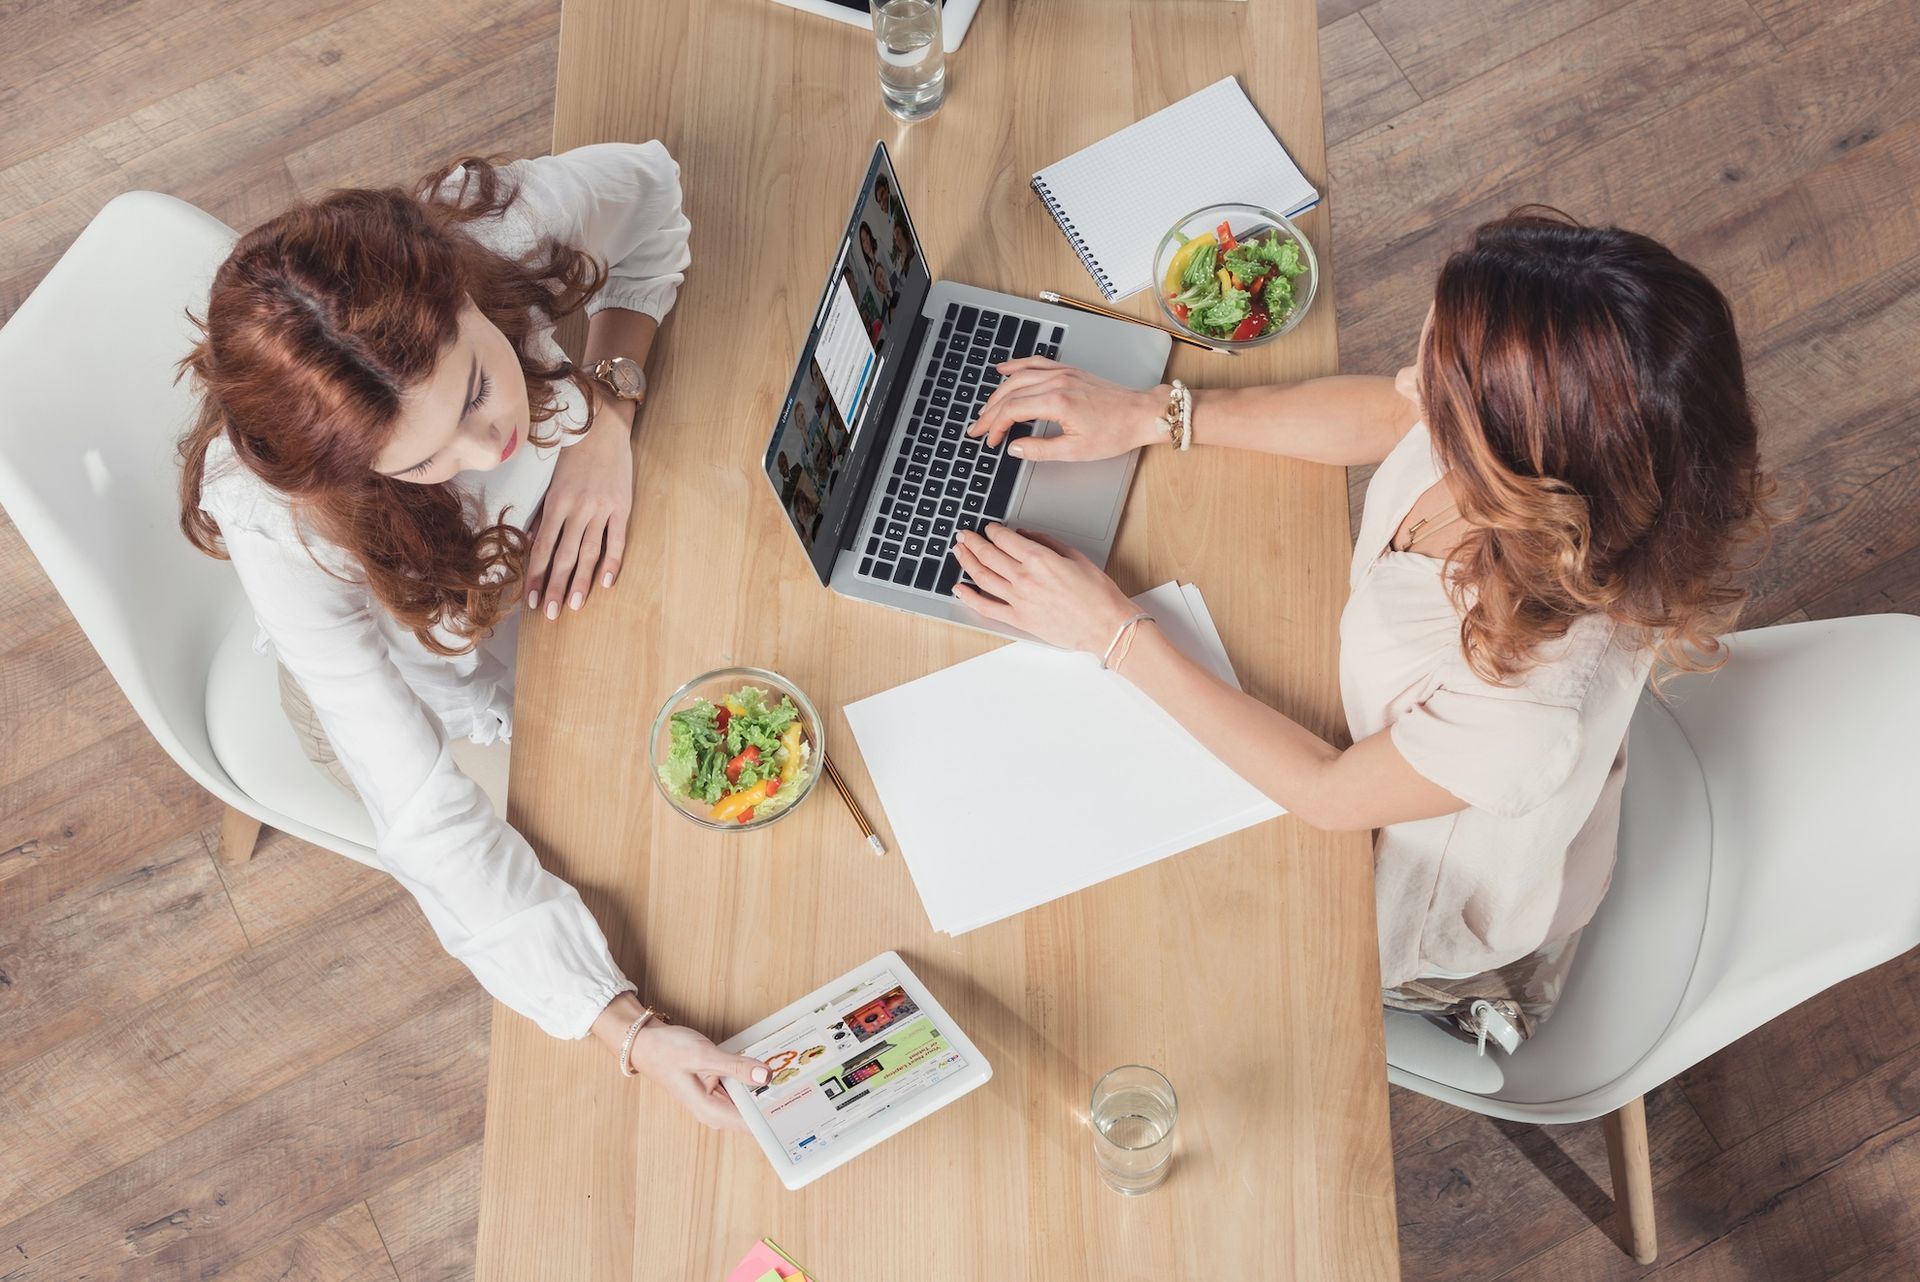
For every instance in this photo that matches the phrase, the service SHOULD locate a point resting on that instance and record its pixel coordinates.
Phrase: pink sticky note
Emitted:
(759, 1263)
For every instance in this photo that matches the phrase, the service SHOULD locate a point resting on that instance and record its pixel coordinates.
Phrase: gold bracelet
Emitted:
(626, 1048)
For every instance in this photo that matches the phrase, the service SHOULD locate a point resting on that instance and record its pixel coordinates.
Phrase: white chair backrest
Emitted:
(1812, 764)
(89, 419)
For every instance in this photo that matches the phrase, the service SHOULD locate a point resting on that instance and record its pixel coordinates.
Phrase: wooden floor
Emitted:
(272, 1071)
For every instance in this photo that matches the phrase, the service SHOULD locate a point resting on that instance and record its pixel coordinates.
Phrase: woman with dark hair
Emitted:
(390, 448)
(1565, 476)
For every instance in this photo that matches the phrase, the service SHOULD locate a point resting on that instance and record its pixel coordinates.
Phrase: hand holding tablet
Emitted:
(852, 1063)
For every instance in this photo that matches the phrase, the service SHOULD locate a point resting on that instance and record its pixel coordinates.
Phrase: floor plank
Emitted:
(1438, 50)
(208, 1047)
(344, 1248)
(430, 1221)
(1478, 1194)
(94, 955)
(283, 1162)
(1776, 1178)
(1359, 84)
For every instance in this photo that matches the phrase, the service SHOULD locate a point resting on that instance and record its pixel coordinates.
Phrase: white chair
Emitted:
(1769, 848)
(89, 418)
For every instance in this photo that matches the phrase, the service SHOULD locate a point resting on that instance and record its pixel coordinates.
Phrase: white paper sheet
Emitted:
(1029, 773)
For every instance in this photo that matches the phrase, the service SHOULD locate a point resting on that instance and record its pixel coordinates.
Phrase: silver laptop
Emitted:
(870, 459)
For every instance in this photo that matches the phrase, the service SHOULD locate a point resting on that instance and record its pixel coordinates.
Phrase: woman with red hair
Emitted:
(392, 449)
(1565, 475)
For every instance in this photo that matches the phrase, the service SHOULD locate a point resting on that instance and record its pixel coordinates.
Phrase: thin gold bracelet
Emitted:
(626, 1048)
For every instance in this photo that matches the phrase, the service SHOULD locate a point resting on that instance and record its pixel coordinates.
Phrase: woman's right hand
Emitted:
(690, 1067)
(1097, 419)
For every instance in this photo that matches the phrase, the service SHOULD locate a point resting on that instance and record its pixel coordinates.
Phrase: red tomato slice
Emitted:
(745, 816)
(1252, 327)
(721, 718)
(1224, 235)
(750, 753)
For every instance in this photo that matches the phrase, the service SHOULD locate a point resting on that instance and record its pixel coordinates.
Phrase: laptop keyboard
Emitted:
(941, 481)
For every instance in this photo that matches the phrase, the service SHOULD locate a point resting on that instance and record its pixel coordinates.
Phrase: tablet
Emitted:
(859, 1060)
(955, 16)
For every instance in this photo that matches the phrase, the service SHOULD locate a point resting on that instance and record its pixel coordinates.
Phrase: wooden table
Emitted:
(1245, 970)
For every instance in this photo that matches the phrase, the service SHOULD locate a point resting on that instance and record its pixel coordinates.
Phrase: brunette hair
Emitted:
(1585, 392)
(319, 322)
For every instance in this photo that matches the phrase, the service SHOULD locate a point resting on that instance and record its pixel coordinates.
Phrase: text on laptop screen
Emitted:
(874, 292)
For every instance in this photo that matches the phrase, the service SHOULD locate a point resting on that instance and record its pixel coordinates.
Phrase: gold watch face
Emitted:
(625, 377)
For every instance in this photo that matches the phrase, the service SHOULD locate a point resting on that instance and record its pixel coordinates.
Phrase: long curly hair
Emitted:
(318, 324)
(1585, 391)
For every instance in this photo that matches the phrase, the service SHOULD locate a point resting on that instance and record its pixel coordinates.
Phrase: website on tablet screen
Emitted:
(847, 1060)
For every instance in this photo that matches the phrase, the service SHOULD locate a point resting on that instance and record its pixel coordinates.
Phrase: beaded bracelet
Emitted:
(626, 1048)
(1179, 415)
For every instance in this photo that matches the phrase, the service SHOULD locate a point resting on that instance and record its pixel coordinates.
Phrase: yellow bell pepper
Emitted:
(1226, 279)
(1178, 266)
(790, 742)
(734, 706)
(729, 807)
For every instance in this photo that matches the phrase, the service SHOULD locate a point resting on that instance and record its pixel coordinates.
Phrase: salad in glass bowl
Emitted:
(736, 748)
(1235, 275)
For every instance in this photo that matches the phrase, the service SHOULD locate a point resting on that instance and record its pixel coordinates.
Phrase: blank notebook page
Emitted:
(1117, 198)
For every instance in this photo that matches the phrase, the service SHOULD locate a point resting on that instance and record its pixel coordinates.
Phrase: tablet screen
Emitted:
(866, 1050)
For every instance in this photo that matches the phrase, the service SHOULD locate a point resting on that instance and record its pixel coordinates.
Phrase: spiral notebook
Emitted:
(1116, 199)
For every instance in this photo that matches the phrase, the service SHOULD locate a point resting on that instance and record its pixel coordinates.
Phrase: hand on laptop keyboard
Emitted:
(1097, 419)
(1041, 586)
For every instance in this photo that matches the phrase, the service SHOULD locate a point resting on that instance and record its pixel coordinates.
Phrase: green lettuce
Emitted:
(1201, 266)
(1223, 315)
(1279, 298)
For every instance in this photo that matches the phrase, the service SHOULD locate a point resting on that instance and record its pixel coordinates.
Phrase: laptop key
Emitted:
(888, 551)
(866, 567)
(873, 546)
(914, 547)
(1029, 335)
(927, 506)
(916, 473)
(949, 575)
(920, 527)
(897, 530)
(938, 546)
(949, 508)
(1002, 493)
(928, 573)
(980, 484)
(967, 317)
(1048, 350)
(903, 572)
(1004, 335)
(1002, 353)
(908, 493)
(1059, 332)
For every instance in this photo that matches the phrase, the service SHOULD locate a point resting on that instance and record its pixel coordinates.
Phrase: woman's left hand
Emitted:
(1041, 586)
(581, 532)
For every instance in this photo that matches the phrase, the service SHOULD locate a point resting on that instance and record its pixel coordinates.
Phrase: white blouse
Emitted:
(1540, 760)
(389, 705)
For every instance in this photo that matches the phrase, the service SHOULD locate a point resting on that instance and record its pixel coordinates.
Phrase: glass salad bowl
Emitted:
(1214, 304)
(742, 781)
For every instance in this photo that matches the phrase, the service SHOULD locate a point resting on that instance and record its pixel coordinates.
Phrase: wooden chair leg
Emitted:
(1626, 1129)
(238, 833)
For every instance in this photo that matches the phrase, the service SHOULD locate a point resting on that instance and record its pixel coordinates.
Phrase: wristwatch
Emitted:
(623, 377)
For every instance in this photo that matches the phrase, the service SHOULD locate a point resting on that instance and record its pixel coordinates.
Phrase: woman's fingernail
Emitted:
(533, 600)
(606, 580)
(577, 601)
(1017, 450)
(553, 609)
(760, 1077)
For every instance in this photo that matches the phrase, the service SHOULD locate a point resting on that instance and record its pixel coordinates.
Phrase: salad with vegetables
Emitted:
(1220, 287)
(742, 758)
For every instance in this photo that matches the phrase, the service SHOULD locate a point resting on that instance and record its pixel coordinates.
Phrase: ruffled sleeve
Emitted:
(1496, 749)
(619, 202)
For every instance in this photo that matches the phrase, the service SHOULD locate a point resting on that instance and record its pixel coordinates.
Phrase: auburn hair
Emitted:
(319, 323)
(1586, 395)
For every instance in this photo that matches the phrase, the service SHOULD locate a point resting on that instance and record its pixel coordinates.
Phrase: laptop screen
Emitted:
(873, 294)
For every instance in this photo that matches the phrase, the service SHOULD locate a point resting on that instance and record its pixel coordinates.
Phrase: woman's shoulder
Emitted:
(1568, 670)
(546, 192)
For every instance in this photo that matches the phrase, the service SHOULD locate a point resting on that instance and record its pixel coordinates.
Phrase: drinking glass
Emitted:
(1133, 1113)
(913, 63)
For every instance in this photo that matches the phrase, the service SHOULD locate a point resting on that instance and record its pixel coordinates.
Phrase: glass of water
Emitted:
(1133, 1113)
(913, 63)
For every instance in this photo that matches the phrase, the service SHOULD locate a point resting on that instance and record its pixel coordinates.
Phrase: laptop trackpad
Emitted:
(1074, 498)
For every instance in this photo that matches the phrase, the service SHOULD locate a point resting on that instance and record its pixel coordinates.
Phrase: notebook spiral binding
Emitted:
(1073, 238)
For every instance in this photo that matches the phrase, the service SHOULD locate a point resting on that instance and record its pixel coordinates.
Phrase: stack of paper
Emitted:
(1030, 773)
